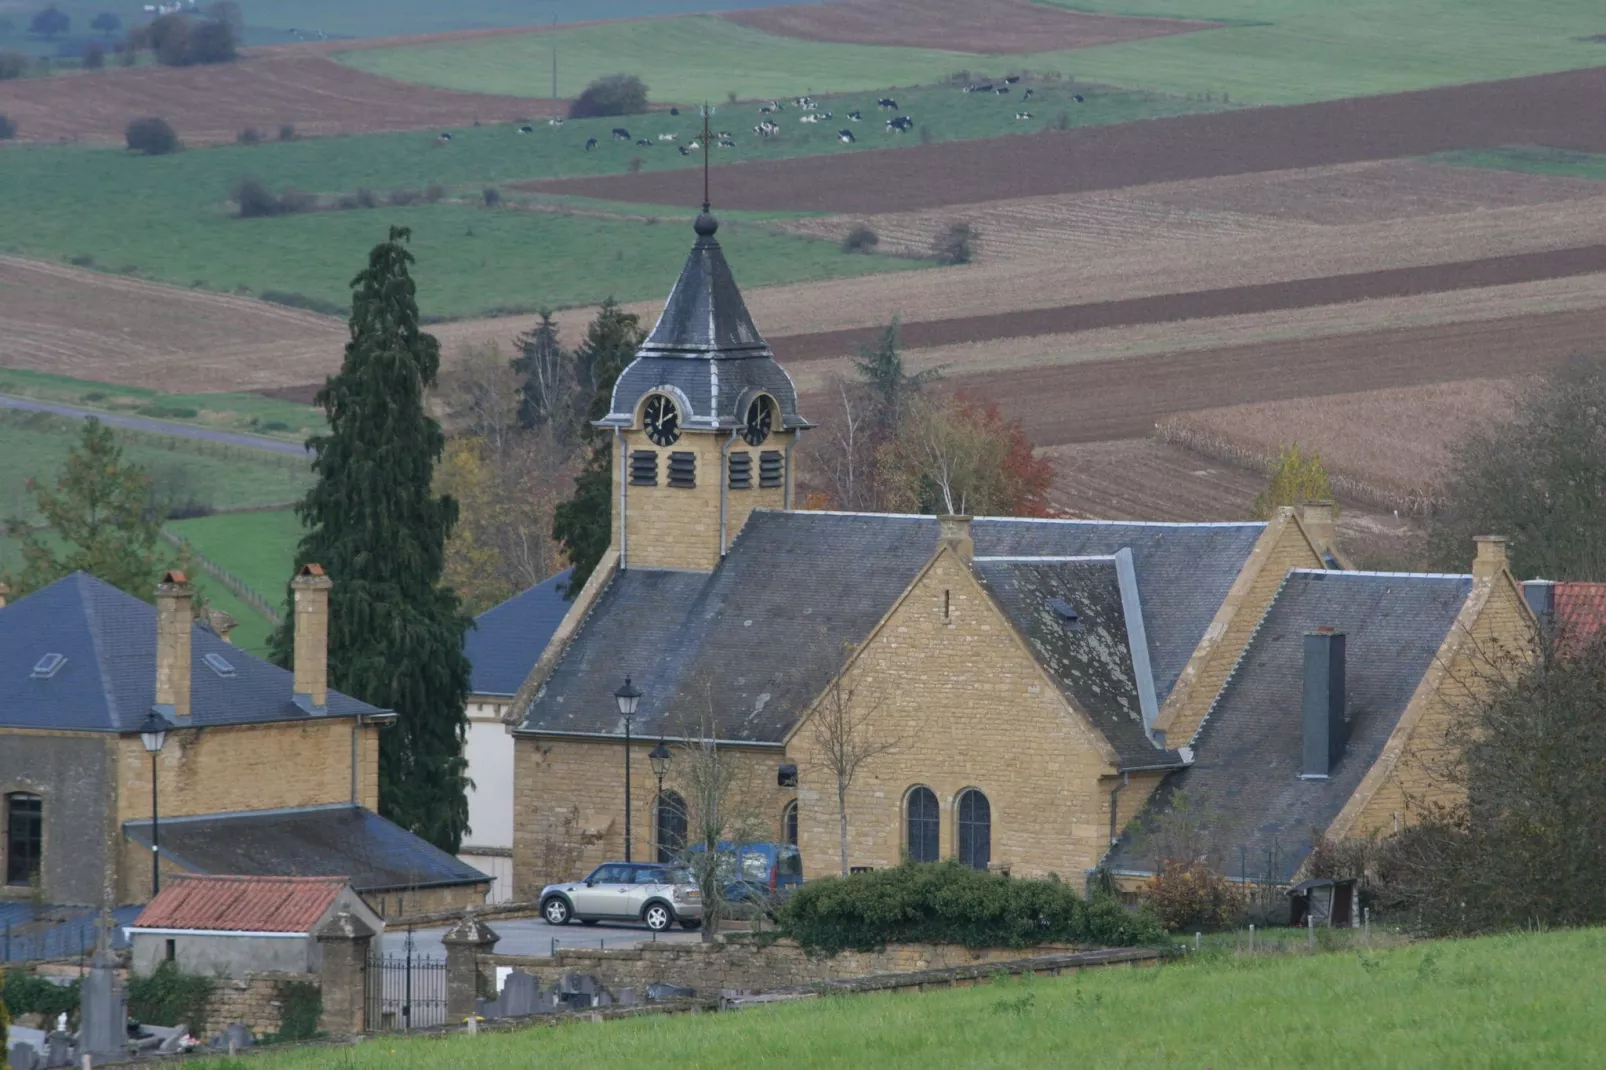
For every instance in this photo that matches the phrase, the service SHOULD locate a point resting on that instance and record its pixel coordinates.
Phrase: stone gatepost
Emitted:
(465, 943)
(344, 940)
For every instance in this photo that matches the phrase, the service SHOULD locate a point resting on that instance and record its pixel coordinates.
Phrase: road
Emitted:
(157, 427)
(533, 936)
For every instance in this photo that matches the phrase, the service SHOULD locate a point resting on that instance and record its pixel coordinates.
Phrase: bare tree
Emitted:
(481, 396)
(843, 743)
(548, 389)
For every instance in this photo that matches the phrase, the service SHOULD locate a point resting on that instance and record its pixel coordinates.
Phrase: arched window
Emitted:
(789, 823)
(25, 836)
(975, 829)
(671, 826)
(924, 822)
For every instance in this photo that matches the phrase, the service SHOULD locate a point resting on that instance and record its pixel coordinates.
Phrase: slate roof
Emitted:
(1089, 658)
(240, 904)
(48, 931)
(768, 627)
(1183, 570)
(507, 640)
(108, 681)
(1246, 773)
(315, 841)
(705, 350)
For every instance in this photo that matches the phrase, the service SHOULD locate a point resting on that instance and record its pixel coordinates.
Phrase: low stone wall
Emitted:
(257, 1001)
(745, 966)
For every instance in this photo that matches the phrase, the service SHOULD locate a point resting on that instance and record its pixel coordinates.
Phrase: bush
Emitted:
(13, 64)
(634, 166)
(617, 94)
(249, 136)
(366, 198)
(492, 196)
(401, 198)
(1191, 896)
(94, 58)
(27, 994)
(256, 201)
(946, 903)
(8, 129)
(861, 239)
(169, 997)
(287, 132)
(302, 1006)
(956, 244)
(182, 41)
(1297, 477)
(82, 260)
(434, 192)
(153, 137)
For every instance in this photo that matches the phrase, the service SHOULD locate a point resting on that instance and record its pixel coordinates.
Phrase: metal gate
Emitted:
(404, 991)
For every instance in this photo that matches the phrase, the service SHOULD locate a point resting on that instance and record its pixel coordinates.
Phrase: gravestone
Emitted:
(102, 1013)
(58, 1050)
(23, 1057)
(664, 990)
(465, 943)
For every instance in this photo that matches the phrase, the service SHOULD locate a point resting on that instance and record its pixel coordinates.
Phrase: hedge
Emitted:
(947, 903)
(28, 994)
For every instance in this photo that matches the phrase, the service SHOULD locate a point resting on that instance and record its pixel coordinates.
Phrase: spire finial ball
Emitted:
(706, 224)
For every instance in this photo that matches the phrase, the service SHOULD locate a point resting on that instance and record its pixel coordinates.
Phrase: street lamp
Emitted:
(659, 757)
(153, 733)
(628, 698)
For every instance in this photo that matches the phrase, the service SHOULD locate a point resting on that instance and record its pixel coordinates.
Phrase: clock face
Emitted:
(760, 419)
(662, 420)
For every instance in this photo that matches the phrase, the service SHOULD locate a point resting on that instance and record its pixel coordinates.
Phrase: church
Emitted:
(1018, 690)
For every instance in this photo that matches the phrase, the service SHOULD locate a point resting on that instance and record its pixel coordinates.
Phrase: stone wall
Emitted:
(742, 966)
(257, 1001)
(72, 773)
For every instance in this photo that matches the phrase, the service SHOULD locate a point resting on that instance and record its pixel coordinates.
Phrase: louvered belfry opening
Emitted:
(644, 468)
(683, 469)
(741, 470)
(771, 468)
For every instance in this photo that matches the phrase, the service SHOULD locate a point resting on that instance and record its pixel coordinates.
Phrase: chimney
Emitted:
(173, 622)
(1491, 558)
(1317, 517)
(1323, 707)
(954, 533)
(311, 589)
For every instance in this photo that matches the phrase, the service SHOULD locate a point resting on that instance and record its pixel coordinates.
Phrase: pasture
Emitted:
(258, 547)
(247, 413)
(1531, 160)
(1507, 1001)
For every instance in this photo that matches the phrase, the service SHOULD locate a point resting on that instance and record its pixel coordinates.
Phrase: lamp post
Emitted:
(628, 698)
(153, 733)
(659, 757)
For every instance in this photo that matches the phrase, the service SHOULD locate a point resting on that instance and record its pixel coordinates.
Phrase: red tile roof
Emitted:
(1580, 610)
(241, 904)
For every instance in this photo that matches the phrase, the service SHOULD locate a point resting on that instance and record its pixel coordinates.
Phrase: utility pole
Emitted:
(554, 55)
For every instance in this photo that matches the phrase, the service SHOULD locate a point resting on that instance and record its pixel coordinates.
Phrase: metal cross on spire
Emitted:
(706, 112)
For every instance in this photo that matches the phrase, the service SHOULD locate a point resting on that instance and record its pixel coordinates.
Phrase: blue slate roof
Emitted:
(506, 640)
(108, 681)
(29, 932)
(314, 841)
(1246, 774)
(1184, 571)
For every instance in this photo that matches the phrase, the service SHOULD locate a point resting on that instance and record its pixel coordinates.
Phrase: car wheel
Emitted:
(692, 926)
(658, 917)
(556, 911)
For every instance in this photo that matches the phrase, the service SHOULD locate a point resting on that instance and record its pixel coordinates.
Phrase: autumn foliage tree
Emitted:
(1298, 476)
(959, 455)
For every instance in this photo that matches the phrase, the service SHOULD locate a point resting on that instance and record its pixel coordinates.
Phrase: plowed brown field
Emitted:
(211, 104)
(1558, 110)
(985, 27)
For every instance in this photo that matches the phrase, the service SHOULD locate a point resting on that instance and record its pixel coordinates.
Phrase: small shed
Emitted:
(232, 926)
(1328, 901)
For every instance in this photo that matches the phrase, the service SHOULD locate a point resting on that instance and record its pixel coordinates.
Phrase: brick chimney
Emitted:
(311, 589)
(174, 619)
(1317, 517)
(954, 533)
(1491, 559)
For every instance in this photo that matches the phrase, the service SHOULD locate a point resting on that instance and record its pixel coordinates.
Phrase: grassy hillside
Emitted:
(1514, 1001)
(259, 548)
(1530, 159)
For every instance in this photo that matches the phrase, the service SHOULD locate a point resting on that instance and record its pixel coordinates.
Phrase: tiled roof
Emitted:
(1580, 610)
(1183, 570)
(107, 682)
(314, 841)
(1089, 657)
(241, 904)
(506, 640)
(1246, 777)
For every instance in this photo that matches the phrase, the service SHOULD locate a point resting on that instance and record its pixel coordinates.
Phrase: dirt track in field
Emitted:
(1557, 110)
(982, 27)
(212, 104)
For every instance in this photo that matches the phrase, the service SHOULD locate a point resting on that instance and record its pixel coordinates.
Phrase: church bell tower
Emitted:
(704, 423)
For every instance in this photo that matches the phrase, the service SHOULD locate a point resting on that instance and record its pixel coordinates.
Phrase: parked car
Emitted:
(758, 873)
(657, 895)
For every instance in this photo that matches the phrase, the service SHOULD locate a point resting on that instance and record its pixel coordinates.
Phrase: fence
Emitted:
(242, 590)
(404, 991)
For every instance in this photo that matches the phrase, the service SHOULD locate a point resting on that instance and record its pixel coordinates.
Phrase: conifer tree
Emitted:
(584, 523)
(379, 531)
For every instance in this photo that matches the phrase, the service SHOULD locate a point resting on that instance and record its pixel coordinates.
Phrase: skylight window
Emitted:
(1066, 612)
(48, 666)
(219, 664)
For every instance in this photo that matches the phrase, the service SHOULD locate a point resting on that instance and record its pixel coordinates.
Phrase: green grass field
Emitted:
(249, 413)
(259, 548)
(1530, 159)
(1269, 52)
(1510, 1001)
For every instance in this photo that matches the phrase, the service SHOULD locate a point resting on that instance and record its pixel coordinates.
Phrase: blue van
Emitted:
(758, 872)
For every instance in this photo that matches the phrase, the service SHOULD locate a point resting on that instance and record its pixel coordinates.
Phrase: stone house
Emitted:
(263, 772)
(502, 647)
(1027, 683)
(229, 926)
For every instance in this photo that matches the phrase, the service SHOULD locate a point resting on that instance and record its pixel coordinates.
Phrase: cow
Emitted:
(901, 124)
(846, 136)
(684, 151)
(1026, 95)
(1001, 90)
(642, 142)
(985, 87)
(667, 137)
(694, 145)
(768, 109)
(727, 143)
(854, 116)
(554, 122)
(1012, 79)
(766, 129)
(621, 134)
(443, 137)
(887, 104)
(591, 143)
(827, 116)
(1023, 115)
(674, 111)
(803, 102)
(810, 118)
(526, 129)
(724, 135)
(1078, 98)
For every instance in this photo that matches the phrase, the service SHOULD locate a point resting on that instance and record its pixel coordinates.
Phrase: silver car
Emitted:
(658, 895)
